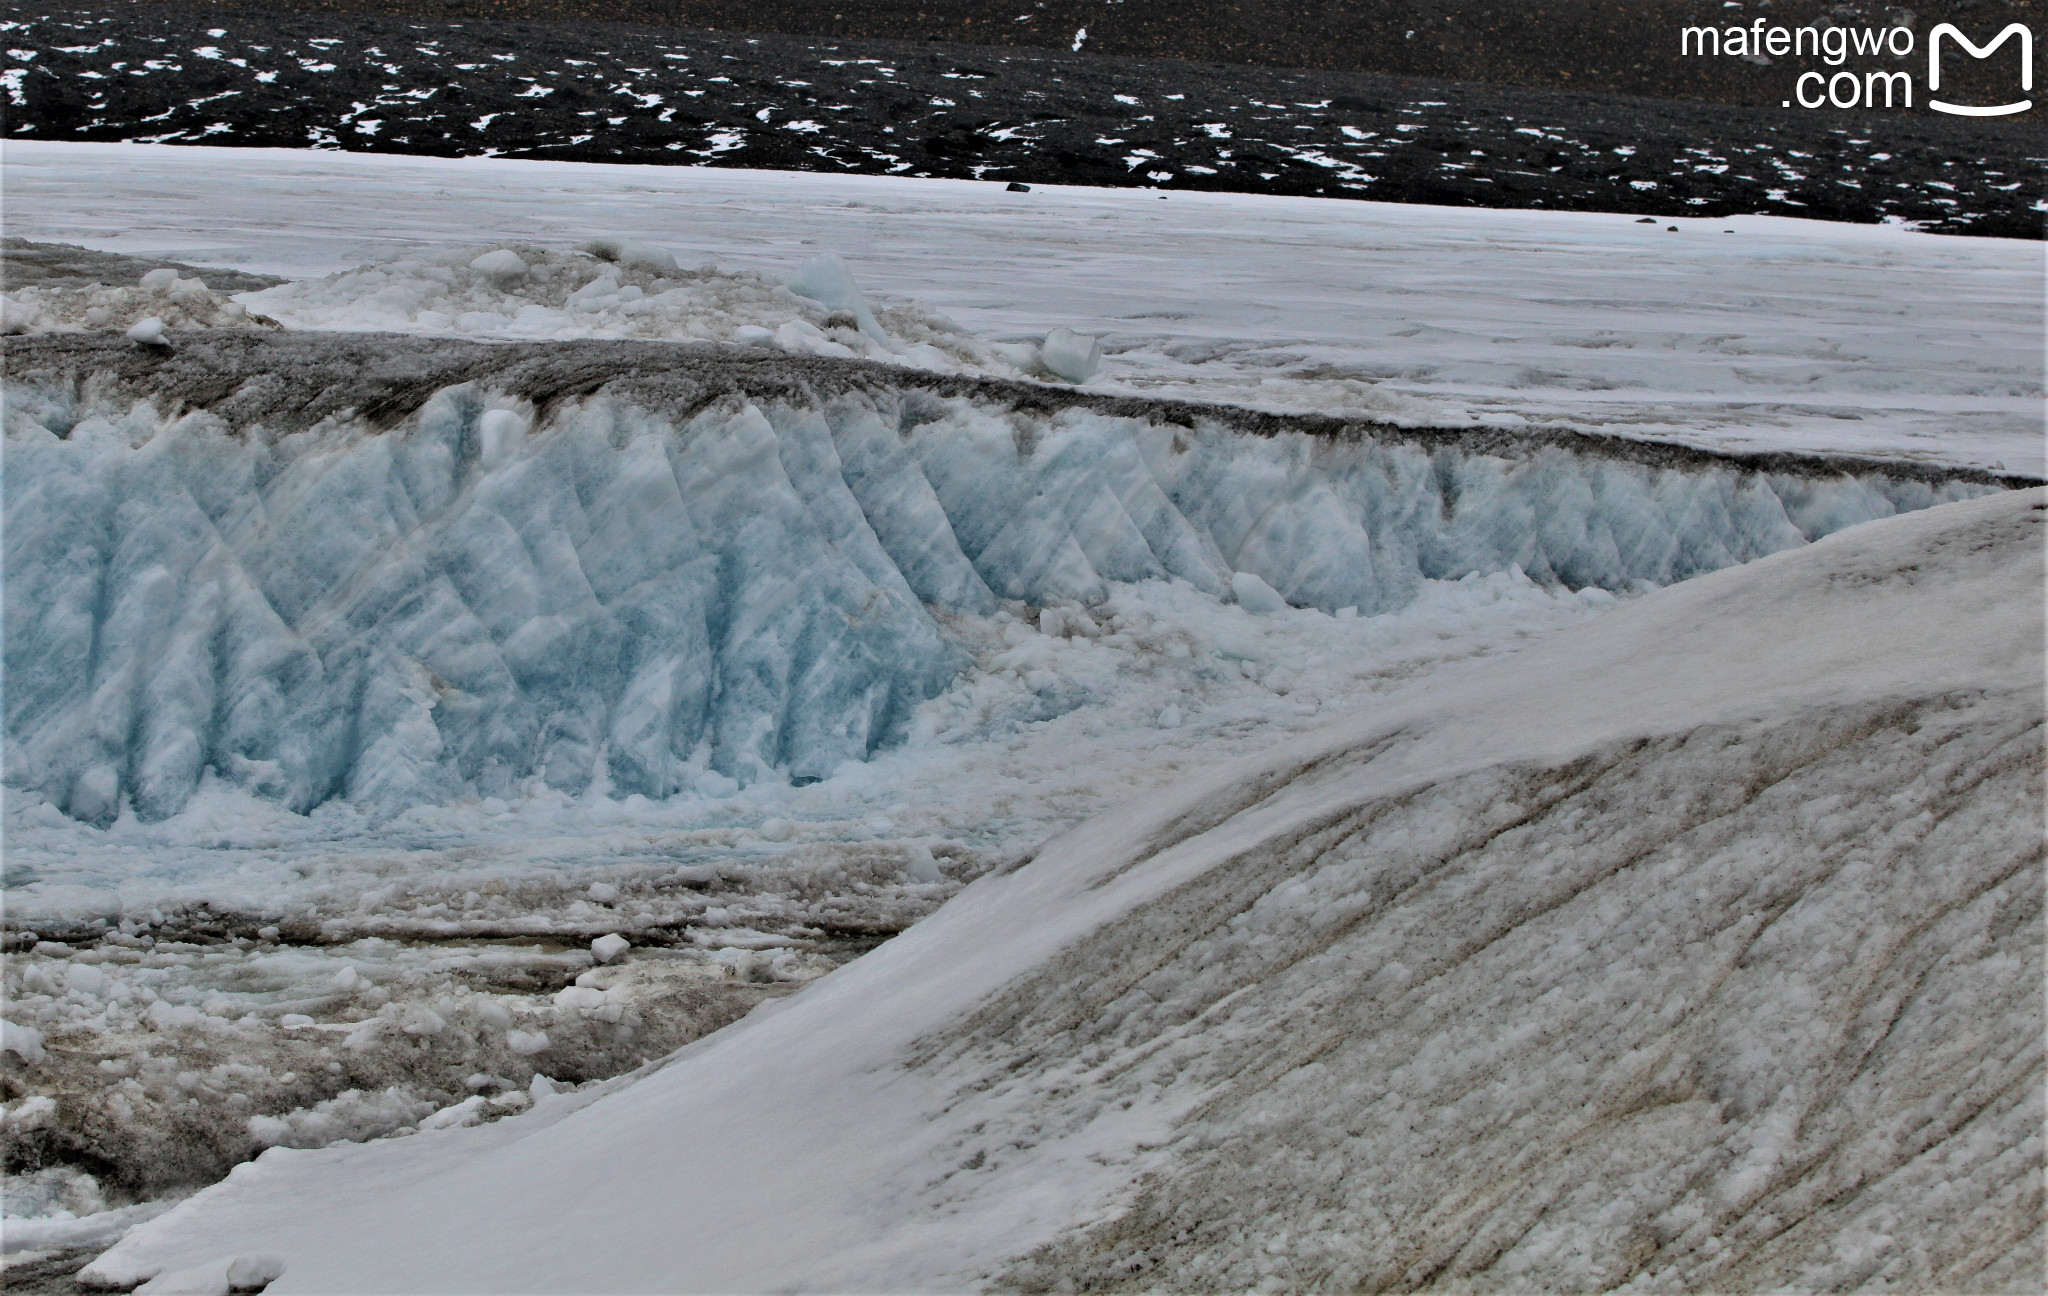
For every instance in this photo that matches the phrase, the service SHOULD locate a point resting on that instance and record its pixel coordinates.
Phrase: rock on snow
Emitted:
(1698, 946)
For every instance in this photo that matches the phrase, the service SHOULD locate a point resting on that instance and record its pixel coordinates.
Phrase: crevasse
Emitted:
(618, 600)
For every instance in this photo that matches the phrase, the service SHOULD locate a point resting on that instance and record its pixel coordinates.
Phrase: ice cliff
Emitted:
(401, 571)
(1695, 948)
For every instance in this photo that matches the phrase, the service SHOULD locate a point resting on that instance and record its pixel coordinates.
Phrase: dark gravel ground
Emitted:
(586, 92)
(47, 1274)
(1585, 45)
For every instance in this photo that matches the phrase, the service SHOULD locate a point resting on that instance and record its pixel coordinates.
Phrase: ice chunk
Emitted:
(25, 1042)
(924, 867)
(628, 253)
(607, 948)
(526, 1043)
(162, 280)
(825, 279)
(148, 331)
(85, 978)
(499, 432)
(603, 892)
(1255, 596)
(467, 1112)
(503, 264)
(1073, 356)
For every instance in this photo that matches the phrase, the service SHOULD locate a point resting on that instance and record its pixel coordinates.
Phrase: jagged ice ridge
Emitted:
(606, 594)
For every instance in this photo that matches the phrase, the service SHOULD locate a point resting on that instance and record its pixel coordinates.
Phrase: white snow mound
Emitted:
(1698, 947)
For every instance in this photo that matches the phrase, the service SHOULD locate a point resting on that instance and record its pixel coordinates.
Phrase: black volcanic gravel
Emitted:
(1583, 45)
(630, 94)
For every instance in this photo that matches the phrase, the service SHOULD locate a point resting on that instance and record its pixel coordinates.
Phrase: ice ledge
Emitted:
(291, 381)
(400, 570)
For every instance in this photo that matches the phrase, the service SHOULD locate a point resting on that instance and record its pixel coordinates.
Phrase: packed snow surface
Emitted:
(1784, 334)
(1695, 947)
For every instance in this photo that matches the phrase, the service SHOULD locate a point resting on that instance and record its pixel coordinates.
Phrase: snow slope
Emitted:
(1786, 334)
(1697, 946)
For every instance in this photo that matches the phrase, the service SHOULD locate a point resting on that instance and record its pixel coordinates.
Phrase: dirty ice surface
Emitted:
(1694, 948)
(1782, 334)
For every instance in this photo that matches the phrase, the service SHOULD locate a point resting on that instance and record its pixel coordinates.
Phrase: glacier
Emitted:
(1694, 948)
(401, 571)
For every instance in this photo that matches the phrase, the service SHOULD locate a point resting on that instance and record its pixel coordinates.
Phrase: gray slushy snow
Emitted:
(612, 287)
(160, 301)
(1695, 947)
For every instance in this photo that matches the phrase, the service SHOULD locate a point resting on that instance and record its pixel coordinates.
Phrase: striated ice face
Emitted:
(618, 600)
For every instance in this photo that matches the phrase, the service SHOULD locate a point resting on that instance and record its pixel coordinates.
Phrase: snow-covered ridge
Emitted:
(1694, 949)
(428, 582)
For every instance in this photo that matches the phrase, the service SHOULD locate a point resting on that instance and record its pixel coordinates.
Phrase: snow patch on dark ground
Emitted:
(624, 94)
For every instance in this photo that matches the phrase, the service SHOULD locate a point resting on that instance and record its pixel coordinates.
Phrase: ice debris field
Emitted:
(464, 671)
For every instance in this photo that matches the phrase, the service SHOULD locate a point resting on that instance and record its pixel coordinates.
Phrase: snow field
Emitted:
(1694, 947)
(1784, 335)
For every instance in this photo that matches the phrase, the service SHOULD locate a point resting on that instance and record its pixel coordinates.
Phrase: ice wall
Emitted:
(614, 599)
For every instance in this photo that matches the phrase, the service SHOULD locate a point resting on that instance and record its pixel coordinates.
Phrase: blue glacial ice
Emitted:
(611, 598)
